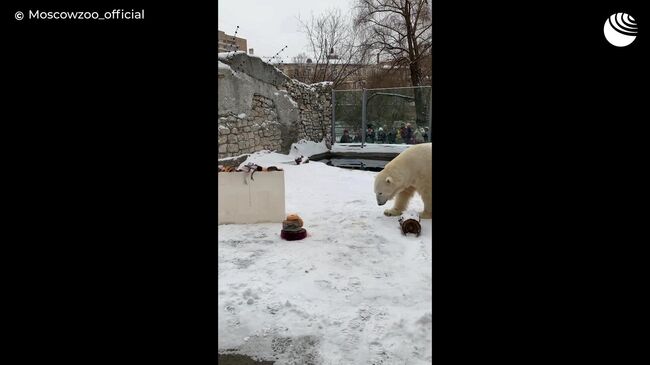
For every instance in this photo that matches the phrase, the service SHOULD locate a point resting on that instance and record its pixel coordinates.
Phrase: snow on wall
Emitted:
(290, 110)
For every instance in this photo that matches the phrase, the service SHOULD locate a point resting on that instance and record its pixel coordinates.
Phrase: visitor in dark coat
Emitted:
(408, 137)
(357, 137)
(345, 138)
(381, 135)
(391, 136)
(370, 135)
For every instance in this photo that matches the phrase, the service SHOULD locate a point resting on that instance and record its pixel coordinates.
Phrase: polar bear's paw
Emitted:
(392, 212)
(425, 215)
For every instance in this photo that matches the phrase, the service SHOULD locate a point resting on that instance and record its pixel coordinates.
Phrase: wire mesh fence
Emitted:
(385, 116)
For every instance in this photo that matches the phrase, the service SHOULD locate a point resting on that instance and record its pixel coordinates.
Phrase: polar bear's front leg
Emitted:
(401, 202)
(427, 200)
(392, 212)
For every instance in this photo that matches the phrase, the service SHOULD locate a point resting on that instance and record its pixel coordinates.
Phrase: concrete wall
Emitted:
(261, 108)
(256, 201)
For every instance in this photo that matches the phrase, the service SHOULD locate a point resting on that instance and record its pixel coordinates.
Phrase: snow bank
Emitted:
(308, 148)
(314, 85)
(223, 66)
(226, 55)
(268, 158)
(355, 291)
(233, 157)
(324, 83)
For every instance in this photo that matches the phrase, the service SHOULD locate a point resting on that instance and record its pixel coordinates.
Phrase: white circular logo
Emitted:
(620, 29)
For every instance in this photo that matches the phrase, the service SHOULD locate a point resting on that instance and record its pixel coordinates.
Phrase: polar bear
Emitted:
(407, 173)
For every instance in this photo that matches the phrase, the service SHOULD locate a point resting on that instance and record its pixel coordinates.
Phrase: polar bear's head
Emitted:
(386, 186)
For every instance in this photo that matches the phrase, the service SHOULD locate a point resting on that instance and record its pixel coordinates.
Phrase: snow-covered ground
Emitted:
(355, 291)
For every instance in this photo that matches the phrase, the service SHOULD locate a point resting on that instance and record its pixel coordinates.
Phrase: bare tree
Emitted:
(300, 68)
(401, 31)
(300, 58)
(338, 50)
(387, 78)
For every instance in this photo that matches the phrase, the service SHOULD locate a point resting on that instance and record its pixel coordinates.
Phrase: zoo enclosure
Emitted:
(366, 113)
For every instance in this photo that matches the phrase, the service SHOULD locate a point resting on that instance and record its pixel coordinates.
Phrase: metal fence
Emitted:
(388, 116)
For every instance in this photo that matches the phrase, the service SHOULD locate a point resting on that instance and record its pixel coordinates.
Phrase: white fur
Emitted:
(407, 173)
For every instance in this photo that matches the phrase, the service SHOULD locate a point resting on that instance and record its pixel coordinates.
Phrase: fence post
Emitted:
(430, 112)
(334, 117)
(363, 118)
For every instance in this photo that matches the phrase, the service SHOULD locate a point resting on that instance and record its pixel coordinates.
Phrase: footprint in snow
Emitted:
(378, 353)
(274, 307)
(324, 284)
(355, 283)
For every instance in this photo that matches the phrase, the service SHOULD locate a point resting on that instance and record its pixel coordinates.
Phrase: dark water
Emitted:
(230, 359)
(356, 163)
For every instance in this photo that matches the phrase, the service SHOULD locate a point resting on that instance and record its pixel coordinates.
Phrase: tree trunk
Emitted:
(420, 97)
(414, 66)
(421, 109)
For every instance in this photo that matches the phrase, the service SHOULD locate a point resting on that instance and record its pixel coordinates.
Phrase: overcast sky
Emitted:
(269, 25)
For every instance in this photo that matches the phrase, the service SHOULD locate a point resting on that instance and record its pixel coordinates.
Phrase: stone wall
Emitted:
(315, 113)
(243, 133)
(260, 108)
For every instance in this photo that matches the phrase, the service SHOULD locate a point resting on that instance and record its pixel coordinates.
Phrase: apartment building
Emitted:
(228, 43)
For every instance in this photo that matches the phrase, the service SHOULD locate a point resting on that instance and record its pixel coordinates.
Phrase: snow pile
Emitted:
(233, 157)
(355, 291)
(268, 158)
(227, 55)
(370, 148)
(324, 83)
(313, 86)
(308, 148)
(223, 66)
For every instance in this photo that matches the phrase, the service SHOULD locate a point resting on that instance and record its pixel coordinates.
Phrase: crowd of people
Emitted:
(405, 134)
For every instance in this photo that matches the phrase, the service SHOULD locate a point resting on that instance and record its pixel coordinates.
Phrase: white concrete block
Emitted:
(259, 201)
